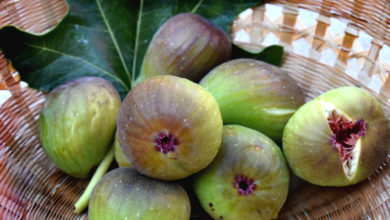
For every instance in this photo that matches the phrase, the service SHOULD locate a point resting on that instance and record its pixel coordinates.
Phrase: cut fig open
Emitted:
(337, 139)
(345, 138)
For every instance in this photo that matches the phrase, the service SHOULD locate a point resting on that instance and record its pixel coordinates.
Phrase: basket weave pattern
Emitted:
(32, 188)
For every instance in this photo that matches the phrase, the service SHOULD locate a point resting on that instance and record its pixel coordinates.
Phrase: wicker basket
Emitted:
(32, 188)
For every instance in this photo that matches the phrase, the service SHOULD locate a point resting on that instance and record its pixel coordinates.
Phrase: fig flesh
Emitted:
(248, 179)
(169, 127)
(338, 138)
(123, 193)
(186, 45)
(254, 94)
(77, 124)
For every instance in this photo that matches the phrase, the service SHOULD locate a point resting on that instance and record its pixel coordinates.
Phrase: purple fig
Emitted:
(338, 138)
(248, 179)
(123, 193)
(254, 94)
(169, 127)
(186, 45)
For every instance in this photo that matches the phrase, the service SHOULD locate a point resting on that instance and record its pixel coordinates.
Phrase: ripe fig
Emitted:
(124, 193)
(120, 158)
(248, 179)
(338, 138)
(186, 45)
(169, 127)
(254, 94)
(77, 124)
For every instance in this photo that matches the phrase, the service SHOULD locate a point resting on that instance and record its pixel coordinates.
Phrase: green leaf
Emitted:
(103, 38)
(272, 54)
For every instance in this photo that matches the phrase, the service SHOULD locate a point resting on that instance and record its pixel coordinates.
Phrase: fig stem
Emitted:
(82, 202)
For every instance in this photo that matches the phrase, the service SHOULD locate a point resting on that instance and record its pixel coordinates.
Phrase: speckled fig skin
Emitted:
(186, 45)
(254, 94)
(185, 115)
(120, 158)
(124, 193)
(307, 138)
(77, 124)
(244, 152)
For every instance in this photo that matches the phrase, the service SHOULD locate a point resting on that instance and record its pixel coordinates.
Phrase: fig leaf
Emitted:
(103, 38)
(272, 54)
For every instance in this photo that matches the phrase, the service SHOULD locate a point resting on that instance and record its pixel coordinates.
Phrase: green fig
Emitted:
(248, 179)
(338, 138)
(254, 94)
(120, 158)
(186, 45)
(77, 124)
(169, 127)
(124, 193)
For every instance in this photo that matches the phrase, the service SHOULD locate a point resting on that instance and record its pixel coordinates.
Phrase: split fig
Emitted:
(77, 124)
(124, 193)
(169, 127)
(186, 45)
(254, 94)
(338, 138)
(248, 179)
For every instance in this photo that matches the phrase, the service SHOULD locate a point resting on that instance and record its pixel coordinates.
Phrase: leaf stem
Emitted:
(82, 202)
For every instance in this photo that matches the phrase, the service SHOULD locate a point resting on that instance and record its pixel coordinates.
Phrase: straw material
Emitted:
(32, 188)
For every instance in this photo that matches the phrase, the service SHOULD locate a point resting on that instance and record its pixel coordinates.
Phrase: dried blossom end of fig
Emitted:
(166, 142)
(244, 185)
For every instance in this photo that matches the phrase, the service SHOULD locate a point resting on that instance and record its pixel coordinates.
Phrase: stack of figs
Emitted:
(193, 113)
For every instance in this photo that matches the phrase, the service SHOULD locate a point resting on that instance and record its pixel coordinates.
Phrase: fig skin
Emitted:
(185, 115)
(307, 138)
(124, 193)
(246, 152)
(120, 158)
(77, 124)
(186, 45)
(254, 94)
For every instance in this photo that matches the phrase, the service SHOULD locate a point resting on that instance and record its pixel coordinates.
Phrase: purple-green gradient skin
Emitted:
(254, 94)
(187, 45)
(77, 124)
(124, 193)
(169, 127)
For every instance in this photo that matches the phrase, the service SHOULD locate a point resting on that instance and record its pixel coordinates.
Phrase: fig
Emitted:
(186, 45)
(124, 193)
(77, 124)
(338, 138)
(248, 179)
(169, 127)
(254, 94)
(120, 158)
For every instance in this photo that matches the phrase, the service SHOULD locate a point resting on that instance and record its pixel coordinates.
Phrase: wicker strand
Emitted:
(290, 13)
(12, 84)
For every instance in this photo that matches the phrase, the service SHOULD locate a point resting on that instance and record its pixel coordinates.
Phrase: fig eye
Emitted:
(244, 185)
(166, 142)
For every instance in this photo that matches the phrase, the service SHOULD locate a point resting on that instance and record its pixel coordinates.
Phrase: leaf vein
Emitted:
(197, 6)
(139, 21)
(118, 49)
(43, 48)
